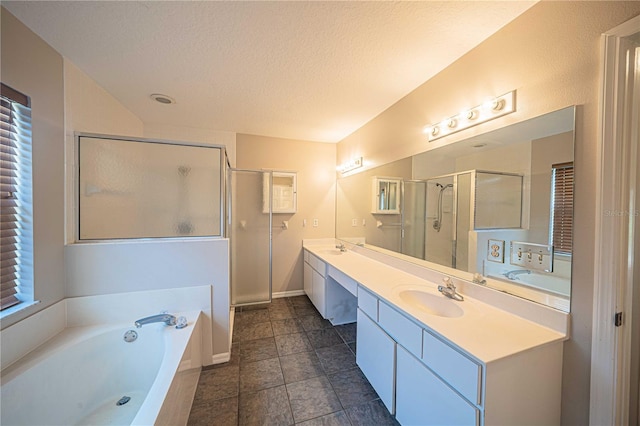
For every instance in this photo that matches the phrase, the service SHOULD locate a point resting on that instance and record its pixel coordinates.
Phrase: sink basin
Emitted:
(432, 304)
(331, 251)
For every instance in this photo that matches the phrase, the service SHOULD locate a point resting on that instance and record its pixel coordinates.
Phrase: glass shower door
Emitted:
(413, 217)
(250, 237)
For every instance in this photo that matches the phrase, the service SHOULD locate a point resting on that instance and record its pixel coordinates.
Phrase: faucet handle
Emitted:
(448, 282)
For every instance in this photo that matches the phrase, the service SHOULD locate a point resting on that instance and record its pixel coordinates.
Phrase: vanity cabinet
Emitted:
(314, 281)
(422, 398)
(420, 378)
(376, 357)
(332, 292)
(425, 379)
(489, 367)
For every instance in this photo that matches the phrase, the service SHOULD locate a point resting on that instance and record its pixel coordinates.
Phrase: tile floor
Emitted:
(288, 366)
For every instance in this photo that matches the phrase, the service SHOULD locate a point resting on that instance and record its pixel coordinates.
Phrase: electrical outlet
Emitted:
(304, 223)
(495, 251)
(364, 222)
(315, 223)
(354, 222)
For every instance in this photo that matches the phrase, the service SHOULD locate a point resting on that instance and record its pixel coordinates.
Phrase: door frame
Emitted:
(615, 223)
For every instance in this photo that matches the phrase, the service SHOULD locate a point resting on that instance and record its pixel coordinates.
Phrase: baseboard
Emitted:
(289, 293)
(220, 358)
(232, 320)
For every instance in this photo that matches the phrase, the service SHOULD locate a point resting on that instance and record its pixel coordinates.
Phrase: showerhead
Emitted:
(442, 187)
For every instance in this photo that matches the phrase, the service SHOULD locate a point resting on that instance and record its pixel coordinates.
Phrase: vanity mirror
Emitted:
(499, 204)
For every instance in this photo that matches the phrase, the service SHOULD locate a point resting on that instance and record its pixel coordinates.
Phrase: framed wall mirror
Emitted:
(499, 204)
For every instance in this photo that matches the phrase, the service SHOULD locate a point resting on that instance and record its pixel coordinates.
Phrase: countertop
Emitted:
(483, 331)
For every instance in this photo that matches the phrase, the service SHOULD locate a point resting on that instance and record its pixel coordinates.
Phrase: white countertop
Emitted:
(483, 331)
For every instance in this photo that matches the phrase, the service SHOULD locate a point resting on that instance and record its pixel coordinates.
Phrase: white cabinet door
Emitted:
(423, 399)
(308, 280)
(376, 357)
(318, 292)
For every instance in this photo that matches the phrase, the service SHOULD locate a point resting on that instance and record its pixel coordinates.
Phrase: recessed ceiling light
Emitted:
(163, 99)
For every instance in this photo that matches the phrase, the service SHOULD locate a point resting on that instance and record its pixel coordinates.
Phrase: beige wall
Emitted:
(91, 109)
(315, 164)
(32, 67)
(551, 56)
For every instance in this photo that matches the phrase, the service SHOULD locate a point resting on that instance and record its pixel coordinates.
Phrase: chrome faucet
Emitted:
(449, 290)
(513, 275)
(341, 247)
(165, 318)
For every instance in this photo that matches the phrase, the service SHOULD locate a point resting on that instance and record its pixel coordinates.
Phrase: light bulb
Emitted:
(497, 104)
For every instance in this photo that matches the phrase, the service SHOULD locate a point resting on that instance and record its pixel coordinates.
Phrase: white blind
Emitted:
(15, 199)
(562, 233)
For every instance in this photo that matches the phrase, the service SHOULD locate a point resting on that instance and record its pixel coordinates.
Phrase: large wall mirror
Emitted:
(497, 208)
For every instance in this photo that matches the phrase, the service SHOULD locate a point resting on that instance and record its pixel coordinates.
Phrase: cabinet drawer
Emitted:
(403, 330)
(455, 368)
(368, 303)
(317, 264)
(423, 399)
(343, 279)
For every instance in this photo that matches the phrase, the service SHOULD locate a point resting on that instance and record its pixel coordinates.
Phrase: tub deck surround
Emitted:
(486, 332)
(76, 377)
(21, 338)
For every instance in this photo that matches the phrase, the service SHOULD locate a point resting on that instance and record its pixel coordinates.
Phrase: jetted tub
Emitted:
(84, 374)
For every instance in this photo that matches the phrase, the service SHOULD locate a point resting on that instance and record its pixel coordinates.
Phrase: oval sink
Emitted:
(432, 304)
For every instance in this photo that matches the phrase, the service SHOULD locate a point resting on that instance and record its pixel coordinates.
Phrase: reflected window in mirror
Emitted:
(562, 208)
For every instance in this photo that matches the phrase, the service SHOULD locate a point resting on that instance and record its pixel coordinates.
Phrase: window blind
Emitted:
(562, 222)
(15, 199)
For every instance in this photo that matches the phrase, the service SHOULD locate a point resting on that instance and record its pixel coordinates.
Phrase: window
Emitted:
(16, 199)
(562, 208)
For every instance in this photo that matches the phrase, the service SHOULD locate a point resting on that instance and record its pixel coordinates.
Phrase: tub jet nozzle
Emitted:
(123, 400)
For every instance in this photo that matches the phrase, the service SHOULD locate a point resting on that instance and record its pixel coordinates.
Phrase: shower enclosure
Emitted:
(459, 203)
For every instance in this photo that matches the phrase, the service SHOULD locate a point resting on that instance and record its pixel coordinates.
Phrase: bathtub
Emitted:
(79, 377)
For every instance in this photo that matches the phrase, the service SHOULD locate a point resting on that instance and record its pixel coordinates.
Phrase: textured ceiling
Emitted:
(301, 70)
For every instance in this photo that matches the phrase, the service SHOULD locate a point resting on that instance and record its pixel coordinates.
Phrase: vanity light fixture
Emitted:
(354, 163)
(494, 108)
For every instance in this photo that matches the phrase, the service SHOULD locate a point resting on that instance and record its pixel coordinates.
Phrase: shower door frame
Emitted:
(230, 190)
(76, 190)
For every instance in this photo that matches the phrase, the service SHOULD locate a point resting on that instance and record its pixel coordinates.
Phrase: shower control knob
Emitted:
(181, 322)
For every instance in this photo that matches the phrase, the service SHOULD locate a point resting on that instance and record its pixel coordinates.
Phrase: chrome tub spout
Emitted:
(165, 318)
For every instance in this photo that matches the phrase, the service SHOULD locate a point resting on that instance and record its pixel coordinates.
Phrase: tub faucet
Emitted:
(513, 275)
(165, 318)
(449, 290)
(341, 247)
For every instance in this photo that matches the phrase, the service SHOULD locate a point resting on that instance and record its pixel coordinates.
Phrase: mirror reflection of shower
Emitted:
(437, 222)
